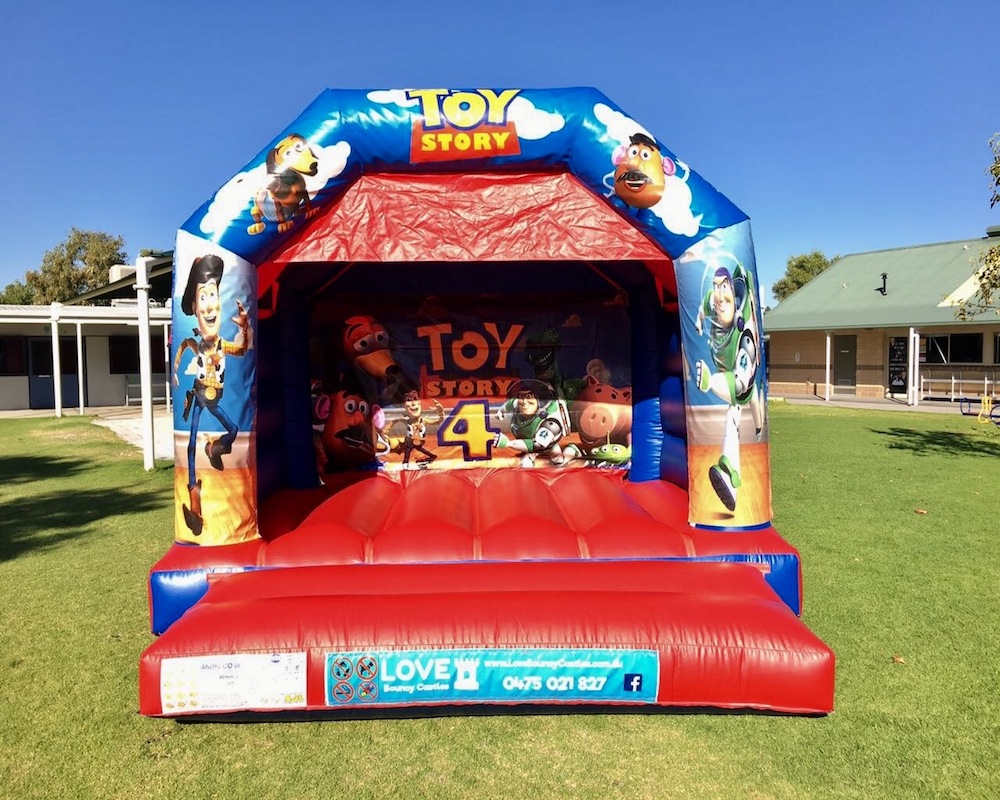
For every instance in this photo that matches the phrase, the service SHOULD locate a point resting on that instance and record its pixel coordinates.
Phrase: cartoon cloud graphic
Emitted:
(674, 208)
(532, 122)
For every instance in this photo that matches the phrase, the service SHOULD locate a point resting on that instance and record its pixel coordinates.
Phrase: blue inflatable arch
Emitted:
(455, 135)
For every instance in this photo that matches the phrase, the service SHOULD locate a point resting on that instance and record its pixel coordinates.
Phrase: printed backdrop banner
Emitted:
(428, 383)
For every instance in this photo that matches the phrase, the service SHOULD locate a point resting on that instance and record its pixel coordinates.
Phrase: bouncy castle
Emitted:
(470, 411)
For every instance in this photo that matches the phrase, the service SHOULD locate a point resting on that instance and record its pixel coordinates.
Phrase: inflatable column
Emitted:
(213, 368)
(729, 471)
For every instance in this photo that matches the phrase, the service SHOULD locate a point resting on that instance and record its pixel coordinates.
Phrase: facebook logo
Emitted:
(633, 682)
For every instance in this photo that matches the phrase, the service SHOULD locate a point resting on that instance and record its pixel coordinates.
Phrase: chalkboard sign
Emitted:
(897, 364)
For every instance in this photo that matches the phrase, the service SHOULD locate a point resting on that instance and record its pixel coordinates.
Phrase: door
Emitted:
(40, 389)
(845, 362)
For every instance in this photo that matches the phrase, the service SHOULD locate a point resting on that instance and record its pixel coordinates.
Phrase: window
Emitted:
(996, 348)
(966, 348)
(123, 354)
(13, 355)
(41, 357)
(937, 349)
(955, 348)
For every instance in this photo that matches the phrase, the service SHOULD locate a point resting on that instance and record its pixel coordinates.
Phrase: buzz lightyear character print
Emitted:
(728, 318)
(537, 419)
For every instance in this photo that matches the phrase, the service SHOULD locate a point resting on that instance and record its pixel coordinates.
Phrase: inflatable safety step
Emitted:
(356, 638)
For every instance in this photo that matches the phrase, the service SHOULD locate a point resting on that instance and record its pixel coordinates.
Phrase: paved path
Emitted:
(875, 404)
(127, 424)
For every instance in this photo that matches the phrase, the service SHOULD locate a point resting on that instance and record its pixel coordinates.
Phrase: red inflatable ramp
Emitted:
(350, 638)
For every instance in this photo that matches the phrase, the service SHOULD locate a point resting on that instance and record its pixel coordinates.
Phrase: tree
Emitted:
(988, 269)
(16, 294)
(994, 170)
(77, 265)
(798, 272)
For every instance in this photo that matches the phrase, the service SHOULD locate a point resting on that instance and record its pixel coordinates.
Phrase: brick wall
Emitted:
(798, 363)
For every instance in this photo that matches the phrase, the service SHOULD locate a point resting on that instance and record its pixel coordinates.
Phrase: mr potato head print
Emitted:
(640, 172)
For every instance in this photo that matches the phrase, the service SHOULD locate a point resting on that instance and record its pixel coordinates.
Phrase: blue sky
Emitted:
(843, 127)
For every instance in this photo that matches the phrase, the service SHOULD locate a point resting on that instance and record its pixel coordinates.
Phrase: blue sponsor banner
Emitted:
(492, 675)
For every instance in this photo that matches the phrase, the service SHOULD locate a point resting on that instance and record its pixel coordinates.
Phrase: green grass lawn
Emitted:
(896, 518)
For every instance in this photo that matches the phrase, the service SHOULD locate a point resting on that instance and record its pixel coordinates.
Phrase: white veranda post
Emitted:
(81, 373)
(826, 378)
(145, 361)
(56, 362)
(913, 385)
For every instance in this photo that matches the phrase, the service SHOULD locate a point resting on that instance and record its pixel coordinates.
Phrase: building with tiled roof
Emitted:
(884, 323)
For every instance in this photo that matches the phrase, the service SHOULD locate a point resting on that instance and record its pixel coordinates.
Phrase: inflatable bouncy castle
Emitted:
(469, 411)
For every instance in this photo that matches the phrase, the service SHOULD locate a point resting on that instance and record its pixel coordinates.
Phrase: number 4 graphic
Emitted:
(468, 427)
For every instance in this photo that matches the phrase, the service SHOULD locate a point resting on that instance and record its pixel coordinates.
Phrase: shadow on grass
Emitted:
(50, 519)
(484, 710)
(940, 442)
(15, 470)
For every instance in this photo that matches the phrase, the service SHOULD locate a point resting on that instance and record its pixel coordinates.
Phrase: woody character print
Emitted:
(202, 300)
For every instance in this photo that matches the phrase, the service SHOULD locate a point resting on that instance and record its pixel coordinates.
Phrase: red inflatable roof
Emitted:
(469, 217)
